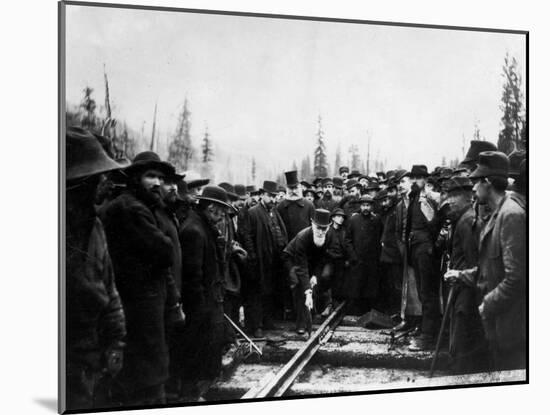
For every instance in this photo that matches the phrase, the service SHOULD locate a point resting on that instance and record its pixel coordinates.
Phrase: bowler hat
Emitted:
(338, 212)
(214, 194)
(149, 160)
(269, 187)
(351, 183)
(321, 217)
(354, 174)
(491, 163)
(419, 170)
(373, 185)
(240, 191)
(291, 178)
(476, 147)
(85, 156)
(458, 183)
(343, 169)
(338, 182)
(399, 174)
(366, 199)
(230, 190)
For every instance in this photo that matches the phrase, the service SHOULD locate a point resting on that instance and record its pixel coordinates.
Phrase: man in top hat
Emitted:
(468, 348)
(142, 255)
(307, 262)
(421, 230)
(94, 319)
(363, 246)
(336, 250)
(203, 281)
(264, 240)
(295, 211)
(327, 202)
(343, 172)
(502, 270)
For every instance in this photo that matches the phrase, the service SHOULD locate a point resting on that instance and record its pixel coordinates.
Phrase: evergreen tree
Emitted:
(88, 117)
(513, 117)
(180, 151)
(253, 172)
(320, 165)
(355, 158)
(337, 161)
(207, 155)
(305, 168)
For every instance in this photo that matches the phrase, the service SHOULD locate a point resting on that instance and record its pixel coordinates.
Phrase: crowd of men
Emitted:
(157, 267)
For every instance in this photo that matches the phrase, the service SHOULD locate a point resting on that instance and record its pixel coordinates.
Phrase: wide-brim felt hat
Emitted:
(85, 156)
(230, 190)
(516, 158)
(338, 182)
(215, 194)
(354, 174)
(477, 147)
(193, 184)
(351, 183)
(366, 199)
(149, 160)
(399, 174)
(458, 183)
(491, 163)
(338, 212)
(321, 217)
(419, 170)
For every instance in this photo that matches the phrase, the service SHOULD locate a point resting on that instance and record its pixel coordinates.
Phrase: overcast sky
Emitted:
(260, 84)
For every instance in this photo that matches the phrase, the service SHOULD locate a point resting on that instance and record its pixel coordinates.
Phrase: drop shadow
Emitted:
(48, 403)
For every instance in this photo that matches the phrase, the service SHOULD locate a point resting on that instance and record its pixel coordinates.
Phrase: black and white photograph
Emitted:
(259, 207)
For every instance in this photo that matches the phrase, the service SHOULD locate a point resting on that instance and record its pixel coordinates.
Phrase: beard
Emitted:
(319, 241)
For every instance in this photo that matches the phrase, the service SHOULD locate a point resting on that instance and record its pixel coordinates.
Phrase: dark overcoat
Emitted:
(142, 255)
(336, 251)
(296, 215)
(390, 253)
(262, 248)
(363, 246)
(202, 293)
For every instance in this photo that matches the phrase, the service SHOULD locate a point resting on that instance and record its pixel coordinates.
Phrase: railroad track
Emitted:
(340, 356)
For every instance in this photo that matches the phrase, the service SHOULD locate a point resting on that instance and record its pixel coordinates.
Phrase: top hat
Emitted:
(269, 187)
(321, 217)
(291, 178)
(419, 170)
(193, 184)
(338, 212)
(458, 183)
(343, 169)
(85, 156)
(491, 163)
(240, 191)
(515, 158)
(354, 174)
(476, 147)
(149, 160)
(215, 194)
(338, 182)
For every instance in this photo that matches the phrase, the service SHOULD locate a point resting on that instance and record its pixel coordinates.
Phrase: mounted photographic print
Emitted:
(266, 206)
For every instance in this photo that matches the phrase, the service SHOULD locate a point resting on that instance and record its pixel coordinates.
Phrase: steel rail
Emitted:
(276, 385)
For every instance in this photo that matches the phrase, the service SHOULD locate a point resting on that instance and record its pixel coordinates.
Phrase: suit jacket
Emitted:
(296, 215)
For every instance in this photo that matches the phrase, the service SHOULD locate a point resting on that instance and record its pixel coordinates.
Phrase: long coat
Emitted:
(390, 253)
(296, 215)
(203, 293)
(363, 246)
(336, 251)
(262, 247)
(502, 274)
(142, 256)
